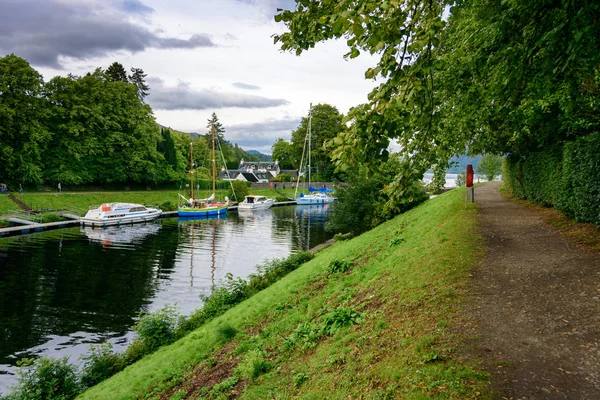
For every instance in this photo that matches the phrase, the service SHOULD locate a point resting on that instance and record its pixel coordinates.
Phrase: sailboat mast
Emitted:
(214, 167)
(191, 172)
(309, 140)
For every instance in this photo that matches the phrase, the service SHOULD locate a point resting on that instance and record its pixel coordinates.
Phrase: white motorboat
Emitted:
(118, 214)
(255, 202)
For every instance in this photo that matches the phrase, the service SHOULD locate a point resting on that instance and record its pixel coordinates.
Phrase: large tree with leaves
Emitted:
(496, 76)
(116, 72)
(23, 113)
(326, 124)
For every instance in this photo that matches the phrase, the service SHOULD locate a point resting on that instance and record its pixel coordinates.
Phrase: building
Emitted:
(253, 171)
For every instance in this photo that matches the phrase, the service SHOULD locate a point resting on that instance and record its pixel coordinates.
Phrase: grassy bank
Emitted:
(385, 328)
(80, 202)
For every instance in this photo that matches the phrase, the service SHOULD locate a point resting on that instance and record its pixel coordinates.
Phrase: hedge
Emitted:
(565, 177)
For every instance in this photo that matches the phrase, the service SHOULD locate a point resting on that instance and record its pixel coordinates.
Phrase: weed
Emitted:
(253, 365)
(225, 333)
(306, 335)
(338, 266)
(225, 386)
(339, 318)
(178, 395)
(299, 379)
(397, 240)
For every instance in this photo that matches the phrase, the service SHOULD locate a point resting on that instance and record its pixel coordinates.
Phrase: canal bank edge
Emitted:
(402, 294)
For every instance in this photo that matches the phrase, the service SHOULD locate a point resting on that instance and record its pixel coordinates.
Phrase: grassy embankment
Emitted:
(6, 204)
(385, 329)
(80, 202)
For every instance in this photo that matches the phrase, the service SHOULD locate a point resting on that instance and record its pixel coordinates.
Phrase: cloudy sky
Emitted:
(201, 56)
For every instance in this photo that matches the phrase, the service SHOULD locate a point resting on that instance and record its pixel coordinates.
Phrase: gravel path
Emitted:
(536, 305)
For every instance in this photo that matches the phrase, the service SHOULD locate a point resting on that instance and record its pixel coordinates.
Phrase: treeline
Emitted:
(91, 129)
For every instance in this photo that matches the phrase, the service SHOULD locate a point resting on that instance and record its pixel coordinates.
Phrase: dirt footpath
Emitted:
(536, 305)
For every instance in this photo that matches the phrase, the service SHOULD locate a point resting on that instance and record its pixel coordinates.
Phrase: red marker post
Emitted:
(470, 175)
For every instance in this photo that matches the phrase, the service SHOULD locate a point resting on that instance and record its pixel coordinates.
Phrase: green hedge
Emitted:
(566, 178)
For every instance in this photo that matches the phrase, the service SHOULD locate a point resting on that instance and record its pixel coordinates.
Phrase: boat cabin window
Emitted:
(250, 199)
(136, 209)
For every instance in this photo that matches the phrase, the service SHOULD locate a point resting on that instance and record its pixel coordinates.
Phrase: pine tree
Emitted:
(137, 77)
(219, 130)
(116, 72)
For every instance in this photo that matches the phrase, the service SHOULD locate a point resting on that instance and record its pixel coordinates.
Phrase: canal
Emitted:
(63, 290)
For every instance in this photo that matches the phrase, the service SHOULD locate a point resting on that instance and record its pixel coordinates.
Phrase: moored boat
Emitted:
(118, 214)
(256, 202)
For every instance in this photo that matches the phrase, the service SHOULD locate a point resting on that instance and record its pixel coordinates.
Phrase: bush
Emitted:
(100, 364)
(339, 318)
(490, 165)
(240, 190)
(565, 177)
(282, 178)
(46, 379)
(253, 365)
(168, 206)
(158, 328)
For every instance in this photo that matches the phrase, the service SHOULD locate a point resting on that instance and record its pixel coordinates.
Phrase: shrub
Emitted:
(45, 378)
(158, 328)
(225, 333)
(240, 190)
(490, 165)
(565, 177)
(100, 364)
(168, 206)
(306, 335)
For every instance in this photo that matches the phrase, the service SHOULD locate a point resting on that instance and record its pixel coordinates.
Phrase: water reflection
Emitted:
(62, 290)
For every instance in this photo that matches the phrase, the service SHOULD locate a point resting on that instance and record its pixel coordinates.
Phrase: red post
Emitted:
(469, 175)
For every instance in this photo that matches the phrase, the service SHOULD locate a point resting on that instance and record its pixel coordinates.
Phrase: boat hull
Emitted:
(307, 200)
(201, 212)
(133, 219)
(255, 206)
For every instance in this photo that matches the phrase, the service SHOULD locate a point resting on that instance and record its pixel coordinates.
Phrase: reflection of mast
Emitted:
(192, 259)
(214, 254)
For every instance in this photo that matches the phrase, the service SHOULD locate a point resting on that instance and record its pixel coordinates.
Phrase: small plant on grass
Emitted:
(338, 267)
(225, 386)
(46, 378)
(225, 333)
(395, 241)
(306, 335)
(339, 318)
(299, 379)
(253, 365)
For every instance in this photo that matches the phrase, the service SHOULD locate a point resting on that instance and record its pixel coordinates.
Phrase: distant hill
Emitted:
(261, 156)
(460, 163)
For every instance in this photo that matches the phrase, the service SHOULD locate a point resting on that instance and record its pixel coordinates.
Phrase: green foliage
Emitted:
(225, 333)
(100, 364)
(282, 152)
(240, 190)
(339, 266)
(253, 365)
(306, 336)
(327, 123)
(339, 318)
(461, 178)
(282, 178)
(490, 165)
(158, 328)
(46, 379)
(365, 203)
(225, 386)
(439, 180)
(299, 379)
(566, 177)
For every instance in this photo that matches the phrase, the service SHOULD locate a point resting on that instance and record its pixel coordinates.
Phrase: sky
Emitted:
(200, 57)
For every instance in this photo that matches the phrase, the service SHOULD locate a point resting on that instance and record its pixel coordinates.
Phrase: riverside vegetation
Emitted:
(377, 315)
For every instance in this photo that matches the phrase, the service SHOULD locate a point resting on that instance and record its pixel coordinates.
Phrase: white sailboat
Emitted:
(315, 195)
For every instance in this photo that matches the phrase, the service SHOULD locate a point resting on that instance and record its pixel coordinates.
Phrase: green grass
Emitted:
(395, 313)
(7, 205)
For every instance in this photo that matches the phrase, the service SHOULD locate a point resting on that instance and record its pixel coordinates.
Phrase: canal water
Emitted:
(62, 290)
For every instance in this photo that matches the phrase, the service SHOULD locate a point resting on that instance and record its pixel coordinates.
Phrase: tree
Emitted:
(219, 129)
(490, 165)
(137, 77)
(282, 152)
(116, 72)
(496, 76)
(23, 113)
(326, 125)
